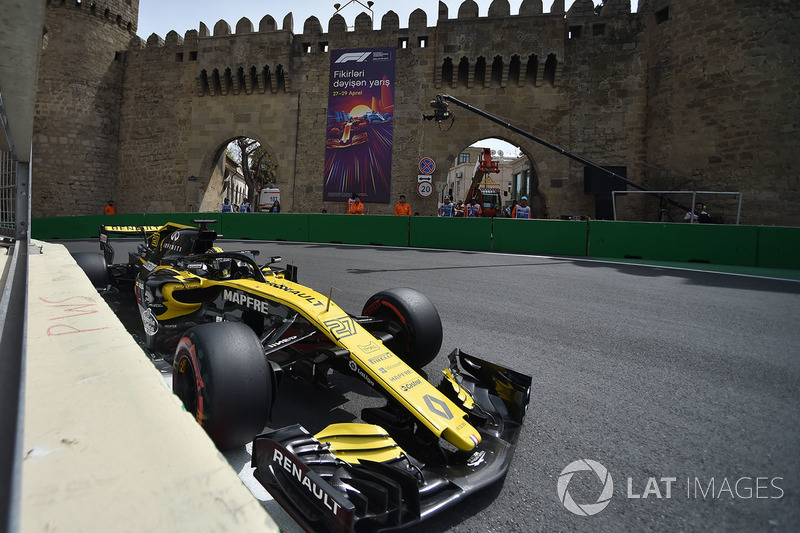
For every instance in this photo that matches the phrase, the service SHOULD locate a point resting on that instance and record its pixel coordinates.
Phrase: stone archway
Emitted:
(206, 190)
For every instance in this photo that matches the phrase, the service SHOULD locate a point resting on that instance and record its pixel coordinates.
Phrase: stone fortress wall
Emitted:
(684, 95)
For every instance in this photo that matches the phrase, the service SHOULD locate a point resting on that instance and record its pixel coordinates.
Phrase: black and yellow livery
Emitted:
(233, 328)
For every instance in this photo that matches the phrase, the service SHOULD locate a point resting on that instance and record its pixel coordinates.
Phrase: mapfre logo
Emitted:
(358, 57)
(585, 509)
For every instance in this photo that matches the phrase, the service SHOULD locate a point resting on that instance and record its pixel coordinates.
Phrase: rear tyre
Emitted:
(94, 266)
(413, 321)
(224, 380)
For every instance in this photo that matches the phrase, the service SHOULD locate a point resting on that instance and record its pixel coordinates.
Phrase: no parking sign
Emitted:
(426, 165)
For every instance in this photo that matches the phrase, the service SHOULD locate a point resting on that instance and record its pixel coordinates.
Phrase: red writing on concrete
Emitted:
(75, 306)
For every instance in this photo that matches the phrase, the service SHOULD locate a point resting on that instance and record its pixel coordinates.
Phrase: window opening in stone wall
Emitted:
(280, 77)
(307, 48)
(253, 78)
(119, 20)
(216, 82)
(323, 47)
(531, 70)
(193, 56)
(402, 42)
(497, 72)
(662, 15)
(447, 71)
(228, 80)
(574, 32)
(422, 41)
(204, 88)
(480, 71)
(550, 69)
(179, 57)
(241, 82)
(463, 72)
(514, 70)
(266, 74)
(117, 56)
(599, 29)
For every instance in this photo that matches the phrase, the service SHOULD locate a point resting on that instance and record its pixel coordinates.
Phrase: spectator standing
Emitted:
(351, 201)
(226, 206)
(402, 208)
(110, 209)
(700, 215)
(522, 210)
(356, 208)
(245, 208)
(446, 209)
(473, 209)
(275, 208)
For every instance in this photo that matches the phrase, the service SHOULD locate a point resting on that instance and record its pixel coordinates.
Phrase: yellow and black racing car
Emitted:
(233, 328)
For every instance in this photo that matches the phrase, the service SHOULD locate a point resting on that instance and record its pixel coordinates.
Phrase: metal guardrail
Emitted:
(14, 241)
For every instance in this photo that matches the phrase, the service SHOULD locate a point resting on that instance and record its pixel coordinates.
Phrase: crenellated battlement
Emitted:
(581, 11)
(123, 14)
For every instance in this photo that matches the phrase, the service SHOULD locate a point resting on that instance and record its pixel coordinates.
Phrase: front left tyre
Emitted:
(224, 380)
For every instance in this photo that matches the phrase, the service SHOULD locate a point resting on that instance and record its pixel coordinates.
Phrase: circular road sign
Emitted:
(426, 165)
(425, 189)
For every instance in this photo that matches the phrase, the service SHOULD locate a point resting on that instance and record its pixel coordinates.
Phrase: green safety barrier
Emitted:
(358, 229)
(451, 233)
(265, 226)
(550, 237)
(701, 243)
(749, 246)
(779, 247)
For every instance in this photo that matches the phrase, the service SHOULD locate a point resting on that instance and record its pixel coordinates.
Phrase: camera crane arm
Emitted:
(441, 112)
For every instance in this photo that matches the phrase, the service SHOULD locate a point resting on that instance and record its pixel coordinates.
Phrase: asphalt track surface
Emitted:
(670, 379)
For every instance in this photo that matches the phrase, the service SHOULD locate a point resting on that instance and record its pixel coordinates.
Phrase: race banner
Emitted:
(360, 128)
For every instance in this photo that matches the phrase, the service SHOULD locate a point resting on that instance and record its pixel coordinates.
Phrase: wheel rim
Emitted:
(184, 384)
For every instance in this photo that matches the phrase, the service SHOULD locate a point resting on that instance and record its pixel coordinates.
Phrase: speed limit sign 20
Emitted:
(425, 189)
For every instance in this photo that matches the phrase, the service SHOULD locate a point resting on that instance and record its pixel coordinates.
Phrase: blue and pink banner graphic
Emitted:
(358, 147)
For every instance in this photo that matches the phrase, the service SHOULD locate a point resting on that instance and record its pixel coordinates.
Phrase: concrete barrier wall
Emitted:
(108, 447)
(757, 246)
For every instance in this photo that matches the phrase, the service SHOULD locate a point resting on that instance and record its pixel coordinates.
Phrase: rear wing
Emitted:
(121, 231)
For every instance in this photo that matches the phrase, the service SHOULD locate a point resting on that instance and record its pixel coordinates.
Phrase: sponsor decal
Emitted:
(411, 384)
(149, 322)
(369, 348)
(296, 292)
(305, 478)
(476, 458)
(341, 328)
(385, 369)
(438, 407)
(357, 369)
(401, 375)
(379, 358)
(246, 300)
(278, 343)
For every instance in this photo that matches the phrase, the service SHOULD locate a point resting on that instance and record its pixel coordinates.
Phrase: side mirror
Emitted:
(275, 259)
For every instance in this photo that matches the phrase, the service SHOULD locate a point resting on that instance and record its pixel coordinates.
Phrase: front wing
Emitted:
(324, 492)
